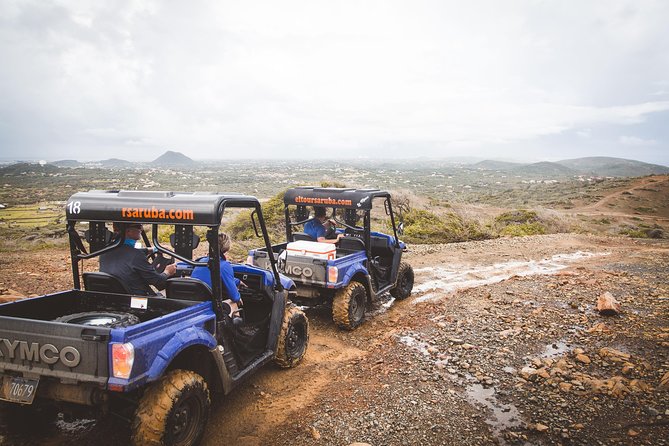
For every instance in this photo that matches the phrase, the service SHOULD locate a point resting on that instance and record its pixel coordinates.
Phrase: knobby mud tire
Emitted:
(118, 320)
(348, 306)
(293, 338)
(405, 280)
(161, 410)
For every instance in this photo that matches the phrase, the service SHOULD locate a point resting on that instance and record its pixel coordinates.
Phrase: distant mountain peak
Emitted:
(172, 158)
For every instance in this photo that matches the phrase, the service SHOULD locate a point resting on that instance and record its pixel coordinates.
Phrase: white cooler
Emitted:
(319, 250)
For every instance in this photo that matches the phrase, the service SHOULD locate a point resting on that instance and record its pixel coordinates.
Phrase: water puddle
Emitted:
(415, 344)
(458, 277)
(381, 304)
(554, 350)
(76, 426)
(503, 416)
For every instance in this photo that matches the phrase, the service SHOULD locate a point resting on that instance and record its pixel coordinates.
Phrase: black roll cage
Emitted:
(96, 199)
(366, 228)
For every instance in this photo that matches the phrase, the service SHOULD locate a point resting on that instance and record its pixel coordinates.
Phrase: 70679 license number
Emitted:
(20, 390)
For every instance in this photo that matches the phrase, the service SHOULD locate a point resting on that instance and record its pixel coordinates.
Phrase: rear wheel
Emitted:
(173, 411)
(404, 285)
(348, 306)
(293, 338)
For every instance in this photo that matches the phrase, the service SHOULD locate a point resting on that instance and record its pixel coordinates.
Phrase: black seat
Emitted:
(302, 236)
(187, 288)
(104, 282)
(351, 244)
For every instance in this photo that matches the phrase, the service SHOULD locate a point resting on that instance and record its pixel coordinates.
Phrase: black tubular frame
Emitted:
(366, 220)
(219, 201)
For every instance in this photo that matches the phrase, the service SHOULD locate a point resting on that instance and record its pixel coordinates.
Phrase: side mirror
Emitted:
(400, 228)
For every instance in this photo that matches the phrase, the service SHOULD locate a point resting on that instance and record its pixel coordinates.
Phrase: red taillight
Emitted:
(123, 356)
(333, 274)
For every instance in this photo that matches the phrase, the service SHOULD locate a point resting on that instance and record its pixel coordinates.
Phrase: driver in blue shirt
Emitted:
(228, 279)
(318, 226)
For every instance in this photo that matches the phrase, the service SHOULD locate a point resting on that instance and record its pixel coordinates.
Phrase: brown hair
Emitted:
(224, 242)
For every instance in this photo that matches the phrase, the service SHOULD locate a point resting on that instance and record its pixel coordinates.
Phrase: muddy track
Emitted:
(444, 366)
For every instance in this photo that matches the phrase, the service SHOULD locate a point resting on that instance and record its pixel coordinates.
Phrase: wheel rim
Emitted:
(406, 284)
(183, 421)
(295, 340)
(357, 307)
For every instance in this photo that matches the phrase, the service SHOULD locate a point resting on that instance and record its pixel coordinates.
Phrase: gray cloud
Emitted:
(220, 80)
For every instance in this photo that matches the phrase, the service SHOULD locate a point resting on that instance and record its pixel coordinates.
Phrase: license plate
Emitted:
(19, 390)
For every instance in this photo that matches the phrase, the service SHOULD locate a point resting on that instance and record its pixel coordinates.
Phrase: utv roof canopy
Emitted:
(332, 197)
(183, 208)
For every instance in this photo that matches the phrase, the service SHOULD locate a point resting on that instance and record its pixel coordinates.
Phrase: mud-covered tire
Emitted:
(405, 278)
(293, 338)
(173, 411)
(348, 306)
(108, 319)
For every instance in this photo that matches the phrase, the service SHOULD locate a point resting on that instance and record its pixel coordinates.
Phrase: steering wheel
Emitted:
(159, 261)
(331, 232)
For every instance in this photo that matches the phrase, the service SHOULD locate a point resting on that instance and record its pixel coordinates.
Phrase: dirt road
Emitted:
(500, 344)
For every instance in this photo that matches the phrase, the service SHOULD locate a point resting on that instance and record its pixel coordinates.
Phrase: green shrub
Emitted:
(422, 226)
(517, 217)
(241, 228)
(643, 231)
(519, 223)
(523, 229)
(332, 184)
(634, 233)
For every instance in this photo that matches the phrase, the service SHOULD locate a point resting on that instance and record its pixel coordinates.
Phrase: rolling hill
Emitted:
(613, 167)
(603, 166)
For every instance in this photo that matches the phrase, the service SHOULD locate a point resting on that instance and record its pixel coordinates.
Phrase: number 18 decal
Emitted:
(74, 207)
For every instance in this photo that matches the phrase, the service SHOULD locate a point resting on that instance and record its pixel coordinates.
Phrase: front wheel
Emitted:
(404, 284)
(173, 411)
(348, 306)
(293, 339)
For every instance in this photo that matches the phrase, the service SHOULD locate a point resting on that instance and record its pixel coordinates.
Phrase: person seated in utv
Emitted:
(130, 265)
(319, 226)
(228, 279)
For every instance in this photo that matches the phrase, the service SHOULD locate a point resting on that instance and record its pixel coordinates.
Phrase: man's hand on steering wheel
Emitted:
(171, 269)
(162, 264)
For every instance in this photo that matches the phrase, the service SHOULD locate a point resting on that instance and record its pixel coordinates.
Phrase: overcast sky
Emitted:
(524, 80)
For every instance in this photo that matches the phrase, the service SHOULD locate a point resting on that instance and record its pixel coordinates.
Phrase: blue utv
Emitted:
(155, 361)
(363, 264)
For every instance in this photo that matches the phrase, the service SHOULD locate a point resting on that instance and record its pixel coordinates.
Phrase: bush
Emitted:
(517, 217)
(523, 229)
(241, 228)
(421, 226)
(519, 223)
(643, 231)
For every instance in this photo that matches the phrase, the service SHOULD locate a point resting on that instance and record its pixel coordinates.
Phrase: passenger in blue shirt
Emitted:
(316, 227)
(228, 279)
